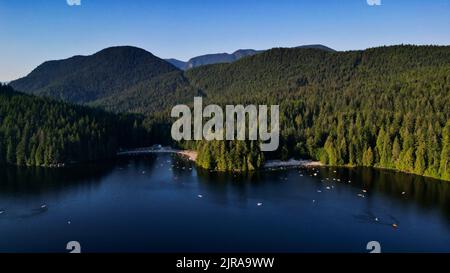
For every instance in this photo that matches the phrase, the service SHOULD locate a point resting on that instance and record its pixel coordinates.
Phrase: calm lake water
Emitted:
(162, 203)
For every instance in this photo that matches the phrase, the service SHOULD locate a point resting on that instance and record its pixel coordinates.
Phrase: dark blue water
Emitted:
(162, 203)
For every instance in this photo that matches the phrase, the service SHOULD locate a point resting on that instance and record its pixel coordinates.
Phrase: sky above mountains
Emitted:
(35, 31)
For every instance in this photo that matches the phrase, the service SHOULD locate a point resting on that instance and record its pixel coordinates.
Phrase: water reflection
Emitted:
(427, 192)
(164, 203)
(17, 181)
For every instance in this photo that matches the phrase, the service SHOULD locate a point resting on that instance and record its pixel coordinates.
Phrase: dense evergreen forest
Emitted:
(387, 107)
(42, 132)
(236, 156)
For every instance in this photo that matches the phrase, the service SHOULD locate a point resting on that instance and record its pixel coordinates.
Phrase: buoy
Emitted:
(376, 219)
(68, 222)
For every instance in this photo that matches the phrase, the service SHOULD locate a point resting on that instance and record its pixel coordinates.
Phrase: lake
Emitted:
(162, 203)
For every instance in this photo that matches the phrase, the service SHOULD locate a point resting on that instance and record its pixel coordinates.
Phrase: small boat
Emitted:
(259, 204)
(43, 206)
(200, 196)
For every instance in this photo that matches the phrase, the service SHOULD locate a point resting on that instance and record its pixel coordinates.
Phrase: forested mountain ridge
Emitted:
(42, 132)
(289, 70)
(227, 58)
(387, 107)
(213, 58)
(84, 79)
(119, 79)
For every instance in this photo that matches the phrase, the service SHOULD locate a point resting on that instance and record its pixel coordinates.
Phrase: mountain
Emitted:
(227, 58)
(317, 46)
(179, 64)
(212, 59)
(386, 107)
(120, 79)
(84, 79)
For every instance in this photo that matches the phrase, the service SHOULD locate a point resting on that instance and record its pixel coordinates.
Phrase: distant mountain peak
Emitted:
(213, 58)
(228, 58)
(82, 79)
(317, 46)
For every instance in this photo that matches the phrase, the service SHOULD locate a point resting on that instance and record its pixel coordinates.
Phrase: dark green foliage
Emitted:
(387, 107)
(42, 132)
(86, 79)
(150, 96)
(229, 155)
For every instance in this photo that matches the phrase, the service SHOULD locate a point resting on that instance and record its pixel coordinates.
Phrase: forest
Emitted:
(42, 132)
(386, 107)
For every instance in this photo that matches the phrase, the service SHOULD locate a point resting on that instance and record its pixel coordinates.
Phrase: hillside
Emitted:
(85, 79)
(226, 57)
(42, 132)
(387, 107)
(212, 59)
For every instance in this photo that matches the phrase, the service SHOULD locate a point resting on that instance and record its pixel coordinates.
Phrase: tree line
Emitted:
(386, 107)
(42, 132)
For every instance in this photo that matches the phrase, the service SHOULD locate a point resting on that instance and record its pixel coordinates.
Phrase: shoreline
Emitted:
(269, 164)
(291, 163)
(190, 154)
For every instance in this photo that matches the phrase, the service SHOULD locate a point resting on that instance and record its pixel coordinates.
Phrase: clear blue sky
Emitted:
(33, 31)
